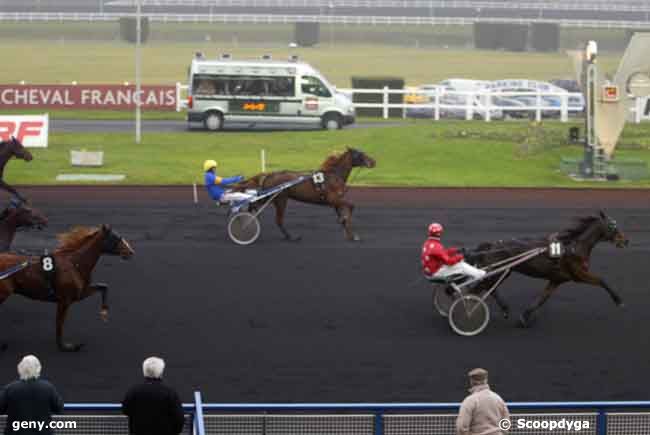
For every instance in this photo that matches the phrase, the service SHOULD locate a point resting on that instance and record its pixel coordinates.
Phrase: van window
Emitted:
(313, 86)
(258, 86)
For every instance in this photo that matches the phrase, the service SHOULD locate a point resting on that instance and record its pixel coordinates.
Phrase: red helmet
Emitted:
(435, 230)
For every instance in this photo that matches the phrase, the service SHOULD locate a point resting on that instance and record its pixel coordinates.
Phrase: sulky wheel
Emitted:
(469, 315)
(442, 299)
(243, 228)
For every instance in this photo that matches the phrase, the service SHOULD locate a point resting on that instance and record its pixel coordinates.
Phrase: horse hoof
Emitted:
(293, 238)
(103, 314)
(524, 322)
(620, 304)
(506, 314)
(68, 347)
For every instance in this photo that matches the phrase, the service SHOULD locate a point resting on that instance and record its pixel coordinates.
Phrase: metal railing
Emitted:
(528, 418)
(641, 23)
(596, 5)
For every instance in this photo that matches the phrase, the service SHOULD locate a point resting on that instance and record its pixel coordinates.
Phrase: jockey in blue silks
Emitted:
(216, 185)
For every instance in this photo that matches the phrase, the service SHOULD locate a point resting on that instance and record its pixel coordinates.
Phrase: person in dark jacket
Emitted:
(29, 402)
(153, 408)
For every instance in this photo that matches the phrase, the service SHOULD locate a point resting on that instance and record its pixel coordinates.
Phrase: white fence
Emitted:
(482, 104)
(323, 18)
(593, 5)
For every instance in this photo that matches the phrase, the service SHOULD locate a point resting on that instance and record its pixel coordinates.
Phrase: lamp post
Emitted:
(138, 92)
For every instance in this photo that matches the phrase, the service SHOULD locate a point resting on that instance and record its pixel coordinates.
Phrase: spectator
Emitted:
(29, 400)
(481, 411)
(153, 408)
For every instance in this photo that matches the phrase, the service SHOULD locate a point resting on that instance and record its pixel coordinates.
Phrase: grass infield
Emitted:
(419, 153)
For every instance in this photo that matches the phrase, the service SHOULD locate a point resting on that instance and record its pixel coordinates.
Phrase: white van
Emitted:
(263, 91)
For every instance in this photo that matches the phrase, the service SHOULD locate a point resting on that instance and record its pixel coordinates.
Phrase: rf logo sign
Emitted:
(31, 131)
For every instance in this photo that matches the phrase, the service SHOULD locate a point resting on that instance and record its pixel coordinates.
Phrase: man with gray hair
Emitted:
(483, 411)
(153, 408)
(30, 401)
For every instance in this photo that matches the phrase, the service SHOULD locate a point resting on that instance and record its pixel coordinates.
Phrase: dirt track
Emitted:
(325, 320)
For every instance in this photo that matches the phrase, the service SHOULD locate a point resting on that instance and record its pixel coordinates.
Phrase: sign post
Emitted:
(138, 91)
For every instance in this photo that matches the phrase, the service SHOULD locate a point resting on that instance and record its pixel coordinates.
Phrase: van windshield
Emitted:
(314, 86)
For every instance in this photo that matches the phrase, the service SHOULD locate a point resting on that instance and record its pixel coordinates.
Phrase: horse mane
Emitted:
(579, 226)
(75, 238)
(331, 161)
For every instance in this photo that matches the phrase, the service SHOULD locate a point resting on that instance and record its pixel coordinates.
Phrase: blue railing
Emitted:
(377, 414)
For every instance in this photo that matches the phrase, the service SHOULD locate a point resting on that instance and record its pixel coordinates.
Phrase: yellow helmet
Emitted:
(209, 164)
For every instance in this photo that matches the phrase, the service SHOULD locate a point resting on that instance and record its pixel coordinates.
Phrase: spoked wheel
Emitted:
(443, 297)
(243, 228)
(469, 315)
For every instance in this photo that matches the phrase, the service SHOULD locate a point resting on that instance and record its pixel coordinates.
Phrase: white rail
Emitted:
(597, 5)
(480, 102)
(325, 19)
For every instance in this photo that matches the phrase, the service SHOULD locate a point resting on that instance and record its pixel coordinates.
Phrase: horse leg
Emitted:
(527, 316)
(103, 289)
(503, 305)
(280, 203)
(3, 297)
(345, 218)
(587, 278)
(61, 314)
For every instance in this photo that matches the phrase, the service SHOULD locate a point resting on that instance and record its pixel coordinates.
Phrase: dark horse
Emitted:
(8, 149)
(336, 169)
(18, 215)
(64, 276)
(578, 241)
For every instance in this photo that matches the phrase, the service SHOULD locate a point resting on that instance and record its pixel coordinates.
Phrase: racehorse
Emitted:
(335, 169)
(578, 241)
(18, 215)
(8, 149)
(64, 276)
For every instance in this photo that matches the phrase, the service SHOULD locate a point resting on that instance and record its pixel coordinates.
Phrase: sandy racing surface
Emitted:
(327, 320)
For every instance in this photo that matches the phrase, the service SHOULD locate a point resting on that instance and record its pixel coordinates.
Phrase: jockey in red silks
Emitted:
(440, 263)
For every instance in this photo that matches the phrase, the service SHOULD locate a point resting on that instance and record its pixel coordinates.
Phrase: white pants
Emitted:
(460, 268)
(230, 196)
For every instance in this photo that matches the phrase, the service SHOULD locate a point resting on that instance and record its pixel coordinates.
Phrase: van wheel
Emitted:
(213, 121)
(332, 121)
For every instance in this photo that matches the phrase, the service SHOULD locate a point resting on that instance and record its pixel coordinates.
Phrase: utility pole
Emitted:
(138, 60)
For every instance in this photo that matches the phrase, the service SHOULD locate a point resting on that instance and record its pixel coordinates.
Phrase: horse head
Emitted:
(359, 159)
(611, 231)
(27, 217)
(114, 244)
(18, 150)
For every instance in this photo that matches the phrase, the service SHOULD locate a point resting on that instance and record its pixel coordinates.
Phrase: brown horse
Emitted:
(18, 215)
(331, 191)
(64, 276)
(578, 241)
(8, 149)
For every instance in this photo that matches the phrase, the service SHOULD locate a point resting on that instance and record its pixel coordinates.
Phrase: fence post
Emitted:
(385, 101)
(379, 423)
(601, 422)
(488, 106)
(469, 102)
(638, 111)
(178, 96)
(199, 428)
(436, 105)
(564, 107)
(538, 111)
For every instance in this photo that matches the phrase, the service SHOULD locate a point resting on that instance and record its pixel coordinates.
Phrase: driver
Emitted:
(438, 262)
(215, 185)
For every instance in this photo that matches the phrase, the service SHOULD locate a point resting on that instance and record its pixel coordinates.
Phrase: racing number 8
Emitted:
(47, 263)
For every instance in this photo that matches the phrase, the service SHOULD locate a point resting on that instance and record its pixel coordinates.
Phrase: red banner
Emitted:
(106, 97)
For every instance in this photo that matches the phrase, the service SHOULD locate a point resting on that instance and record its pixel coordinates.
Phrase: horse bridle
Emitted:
(111, 241)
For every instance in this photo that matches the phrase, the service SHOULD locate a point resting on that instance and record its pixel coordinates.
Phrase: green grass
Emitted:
(167, 63)
(417, 154)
